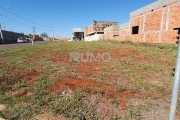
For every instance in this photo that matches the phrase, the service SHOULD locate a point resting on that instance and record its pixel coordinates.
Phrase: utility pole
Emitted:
(53, 33)
(34, 32)
(1, 33)
(175, 91)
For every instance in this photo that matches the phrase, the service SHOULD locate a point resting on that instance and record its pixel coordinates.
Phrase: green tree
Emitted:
(44, 35)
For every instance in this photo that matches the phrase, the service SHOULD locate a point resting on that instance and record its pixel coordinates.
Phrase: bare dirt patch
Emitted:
(49, 116)
(125, 52)
(88, 68)
(109, 91)
(11, 69)
(30, 76)
(59, 58)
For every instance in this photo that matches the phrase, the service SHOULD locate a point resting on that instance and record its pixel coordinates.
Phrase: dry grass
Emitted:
(135, 84)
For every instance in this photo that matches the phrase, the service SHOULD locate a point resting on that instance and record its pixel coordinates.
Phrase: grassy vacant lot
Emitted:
(40, 82)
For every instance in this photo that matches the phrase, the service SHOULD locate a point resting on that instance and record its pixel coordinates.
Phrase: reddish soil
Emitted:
(87, 67)
(114, 52)
(124, 52)
(23, 93)
(57, 58)
(151, 60)
(11, 69)
(30, 76)
(37, 55)
(153, 76)
(109, 91)
(1, 63)
(178, 115)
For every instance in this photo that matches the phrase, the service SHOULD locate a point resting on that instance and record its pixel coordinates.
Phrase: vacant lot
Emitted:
(41, 82)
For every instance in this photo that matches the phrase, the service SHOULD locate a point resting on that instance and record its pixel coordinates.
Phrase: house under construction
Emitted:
(96, 30)
(77, 34)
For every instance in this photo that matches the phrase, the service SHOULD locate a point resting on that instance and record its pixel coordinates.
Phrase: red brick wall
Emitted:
(153, 20)
(124, 33)
(152, 37)
(121, 38)
(128, 37)
(174, 17)
(116, 38)
(108, 35)
(85, 31)
(156, 26)
(169, 36)
(137, 22)
(138, 38)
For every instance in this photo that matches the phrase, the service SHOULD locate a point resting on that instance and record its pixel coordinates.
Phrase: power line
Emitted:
(25, 18)
(24, 23)
(28, 20)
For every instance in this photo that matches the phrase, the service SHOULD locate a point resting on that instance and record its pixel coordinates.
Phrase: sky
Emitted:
(63, 15)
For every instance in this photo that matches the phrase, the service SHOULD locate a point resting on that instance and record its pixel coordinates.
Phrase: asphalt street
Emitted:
(15, 45)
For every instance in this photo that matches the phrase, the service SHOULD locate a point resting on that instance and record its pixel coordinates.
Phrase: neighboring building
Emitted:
(63, 39)
(77, 34)
(34, 37)
(96, 30)
(153, 23)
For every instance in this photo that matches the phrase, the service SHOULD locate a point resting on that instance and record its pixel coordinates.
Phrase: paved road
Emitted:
(7, 46)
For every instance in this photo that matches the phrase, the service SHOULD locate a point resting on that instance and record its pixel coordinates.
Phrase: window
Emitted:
(135, 30)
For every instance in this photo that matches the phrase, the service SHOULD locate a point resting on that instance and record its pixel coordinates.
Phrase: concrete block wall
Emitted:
(1, 42)
(8, 37)
(124, 32)
(88, 30)
(156, 23)
(95, 37)
(85, 31)
(111, 32)
(108, 35)
(157, 26)
(11, 37)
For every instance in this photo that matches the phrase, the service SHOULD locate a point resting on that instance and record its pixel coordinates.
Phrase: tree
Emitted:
(44, 35)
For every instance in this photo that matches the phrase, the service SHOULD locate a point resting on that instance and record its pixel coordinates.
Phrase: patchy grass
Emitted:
(140, 72)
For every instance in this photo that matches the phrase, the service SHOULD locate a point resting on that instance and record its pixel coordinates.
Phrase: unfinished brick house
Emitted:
(153, 23)
(96, 30)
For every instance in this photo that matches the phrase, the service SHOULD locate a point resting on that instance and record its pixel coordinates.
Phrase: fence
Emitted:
(9, 37)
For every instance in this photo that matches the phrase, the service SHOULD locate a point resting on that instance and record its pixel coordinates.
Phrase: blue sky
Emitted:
(64, 15)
